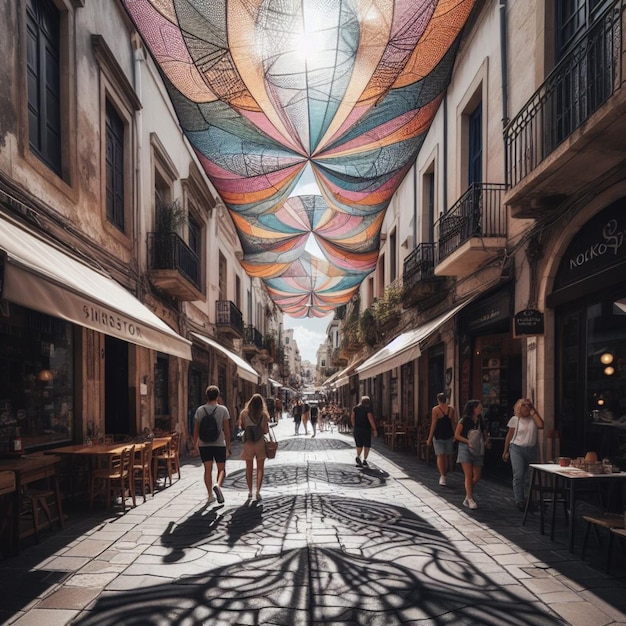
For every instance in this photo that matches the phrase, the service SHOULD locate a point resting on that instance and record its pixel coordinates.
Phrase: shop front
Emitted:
(490, 362)
(56, 314)
(589, 301)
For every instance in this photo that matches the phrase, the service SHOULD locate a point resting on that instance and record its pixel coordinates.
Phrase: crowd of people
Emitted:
(467, 433)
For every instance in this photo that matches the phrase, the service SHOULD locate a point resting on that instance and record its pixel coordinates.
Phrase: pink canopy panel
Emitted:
(306, 116)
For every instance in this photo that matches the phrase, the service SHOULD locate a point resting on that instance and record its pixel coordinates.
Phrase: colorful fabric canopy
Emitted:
(306, 116)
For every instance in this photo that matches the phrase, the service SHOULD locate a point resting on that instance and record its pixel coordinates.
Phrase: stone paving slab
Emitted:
(329, 543)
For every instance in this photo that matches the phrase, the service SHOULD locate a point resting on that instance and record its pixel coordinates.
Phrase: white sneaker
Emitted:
(442, 481)
(470, 504)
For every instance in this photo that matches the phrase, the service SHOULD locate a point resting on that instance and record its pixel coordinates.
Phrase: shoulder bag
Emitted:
(271, 445)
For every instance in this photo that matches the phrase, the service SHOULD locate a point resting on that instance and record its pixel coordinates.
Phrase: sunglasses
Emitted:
(526, 404)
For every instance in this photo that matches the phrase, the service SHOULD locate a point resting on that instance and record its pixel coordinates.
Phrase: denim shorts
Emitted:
(465, 456)
(443, 446)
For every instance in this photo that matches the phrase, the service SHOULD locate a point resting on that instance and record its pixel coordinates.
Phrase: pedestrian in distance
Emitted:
(520, 445)
(254, 421)
(470, 433)
(314, 416)
(278, 407)
(306, 417)
(218, 450)
(296, 412)
(441, 435)
(363, 425)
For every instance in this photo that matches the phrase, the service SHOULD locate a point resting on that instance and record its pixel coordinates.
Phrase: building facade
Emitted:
(506, 238)
(122, 295)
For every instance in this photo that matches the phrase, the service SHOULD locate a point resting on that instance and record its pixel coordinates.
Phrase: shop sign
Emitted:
(528, 322)
(488, 313)
(599, 245)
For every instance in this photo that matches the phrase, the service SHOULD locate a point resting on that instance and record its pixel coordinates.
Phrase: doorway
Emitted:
(116, 393)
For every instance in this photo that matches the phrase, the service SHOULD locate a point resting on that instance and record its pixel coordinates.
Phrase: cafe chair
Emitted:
(609, 521)
(37, 501)
(142, 469)
(116, 477)
(168, 460)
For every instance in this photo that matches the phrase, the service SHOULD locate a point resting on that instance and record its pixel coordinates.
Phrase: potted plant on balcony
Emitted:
(367, 327)
(168, 220)
(386, 310)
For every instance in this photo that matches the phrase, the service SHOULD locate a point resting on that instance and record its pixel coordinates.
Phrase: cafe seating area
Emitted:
(101, 472)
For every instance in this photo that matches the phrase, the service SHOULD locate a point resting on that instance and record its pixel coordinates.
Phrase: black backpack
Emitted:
(209, 430)
(254, 432)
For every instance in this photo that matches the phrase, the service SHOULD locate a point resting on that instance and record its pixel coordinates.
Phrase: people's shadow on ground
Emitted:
(193, 531)
(244, 520)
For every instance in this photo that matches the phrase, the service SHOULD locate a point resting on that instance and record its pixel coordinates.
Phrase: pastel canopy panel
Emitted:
(277, 97)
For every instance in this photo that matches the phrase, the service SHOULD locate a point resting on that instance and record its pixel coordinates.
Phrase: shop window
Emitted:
(36, 379)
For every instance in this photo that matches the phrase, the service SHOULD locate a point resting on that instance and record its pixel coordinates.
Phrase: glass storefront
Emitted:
(36, 378)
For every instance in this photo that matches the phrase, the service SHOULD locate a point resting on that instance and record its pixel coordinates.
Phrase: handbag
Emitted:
(271, 445)
(476, 442)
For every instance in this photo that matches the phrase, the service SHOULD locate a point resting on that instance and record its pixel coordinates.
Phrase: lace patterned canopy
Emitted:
(306, 115)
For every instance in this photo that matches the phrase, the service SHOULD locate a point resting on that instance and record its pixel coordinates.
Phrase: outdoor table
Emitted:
(574, 479)
(27, 470)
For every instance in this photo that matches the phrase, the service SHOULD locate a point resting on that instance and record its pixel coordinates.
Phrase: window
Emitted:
(223, 292)
(114, 128)
(393, 253)
(238, 292)
(475, 156)
(195, 237)
(43, 60)
(429, 201)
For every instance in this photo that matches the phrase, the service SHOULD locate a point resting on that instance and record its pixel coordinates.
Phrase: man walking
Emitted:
(217, 448)
(363, 425)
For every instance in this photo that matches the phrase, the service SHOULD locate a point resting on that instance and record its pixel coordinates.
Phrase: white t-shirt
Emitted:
(221, 414)
(526, 434)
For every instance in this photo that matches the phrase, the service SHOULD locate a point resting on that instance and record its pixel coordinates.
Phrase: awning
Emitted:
(244, 369)
(343, 377)
(405, 347)
(42, 277)
(275, 383)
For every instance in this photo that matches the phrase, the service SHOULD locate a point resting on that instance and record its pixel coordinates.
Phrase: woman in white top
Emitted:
(520, 445)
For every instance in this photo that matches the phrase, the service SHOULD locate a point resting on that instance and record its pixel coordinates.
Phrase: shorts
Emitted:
(363, 437)
(465, 456)
(444, 446)
(252, 450)
(213, 453)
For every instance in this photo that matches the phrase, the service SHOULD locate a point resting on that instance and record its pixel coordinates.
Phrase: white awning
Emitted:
(274, 383)
(343, 377)
(43, 277)
(405, 347)
(244, 369)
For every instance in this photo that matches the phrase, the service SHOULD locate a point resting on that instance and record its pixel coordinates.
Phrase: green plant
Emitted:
(367, 327)
(169, 218)
(389, 305)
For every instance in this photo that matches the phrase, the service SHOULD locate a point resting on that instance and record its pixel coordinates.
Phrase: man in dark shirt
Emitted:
(363, 426)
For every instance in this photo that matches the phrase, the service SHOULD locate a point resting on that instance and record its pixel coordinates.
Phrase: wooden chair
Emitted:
(142, 469)
(424, 451)
(37, 501)
(115, 477)
(168, 460)
(610, 521)
(399, 434)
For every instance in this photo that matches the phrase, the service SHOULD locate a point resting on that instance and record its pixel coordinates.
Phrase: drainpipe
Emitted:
(140, 238)
(503, 63)
(444, 196)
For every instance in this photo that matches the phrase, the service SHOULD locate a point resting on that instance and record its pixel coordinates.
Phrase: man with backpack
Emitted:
(211, 435)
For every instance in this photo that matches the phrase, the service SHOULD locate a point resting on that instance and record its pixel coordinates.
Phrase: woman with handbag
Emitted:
(254, 421)
(472, 440)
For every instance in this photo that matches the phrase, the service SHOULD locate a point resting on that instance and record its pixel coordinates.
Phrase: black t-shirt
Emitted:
(314, 411)
(360, 417)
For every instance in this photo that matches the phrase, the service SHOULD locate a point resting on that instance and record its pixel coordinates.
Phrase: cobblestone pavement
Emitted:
(329, 543)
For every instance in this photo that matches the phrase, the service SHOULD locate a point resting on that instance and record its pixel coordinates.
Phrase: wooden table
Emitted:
(574, 480)
(29, 469)
(85, 451)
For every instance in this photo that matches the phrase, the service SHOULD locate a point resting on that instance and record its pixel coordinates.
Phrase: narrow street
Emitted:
(329, 543)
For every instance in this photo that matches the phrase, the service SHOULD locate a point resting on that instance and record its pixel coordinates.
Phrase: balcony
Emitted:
(472, 232)
(337, 358)
(418, 276)
(174, 267)
(252, 341)
(572, 131)
(228, 319)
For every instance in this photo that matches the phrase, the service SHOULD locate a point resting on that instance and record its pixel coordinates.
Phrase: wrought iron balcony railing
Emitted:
(170, 252)
(577, 87)
(227, 315)
(419, 265)
(252, 337)
(477, 213)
